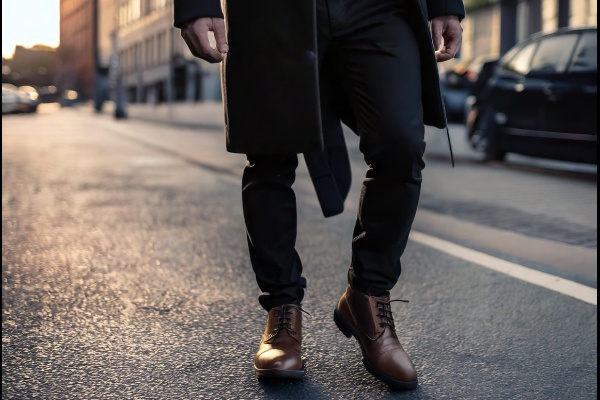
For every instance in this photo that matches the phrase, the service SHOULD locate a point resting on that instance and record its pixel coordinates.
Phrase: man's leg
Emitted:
(384, 85)
(270, 214)
(379, 58)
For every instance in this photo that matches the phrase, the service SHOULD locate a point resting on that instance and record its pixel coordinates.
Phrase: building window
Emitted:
(136, 57)
(153, 50)
(136, 9)
(162, 53)
(549, 15)
(148, 56)
(584, 13)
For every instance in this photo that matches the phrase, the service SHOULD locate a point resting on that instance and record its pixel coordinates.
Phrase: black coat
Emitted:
(270, 83)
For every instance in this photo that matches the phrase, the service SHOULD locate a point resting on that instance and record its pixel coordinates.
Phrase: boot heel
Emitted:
(342, 324)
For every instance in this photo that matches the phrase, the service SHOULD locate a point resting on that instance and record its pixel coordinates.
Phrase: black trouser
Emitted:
(368, 48)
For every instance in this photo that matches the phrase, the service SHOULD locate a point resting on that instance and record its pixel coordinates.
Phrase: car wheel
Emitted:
(494, 151)
(478, 138)
(484, 136)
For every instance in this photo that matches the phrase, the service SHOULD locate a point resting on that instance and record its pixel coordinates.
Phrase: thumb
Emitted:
(220, 35)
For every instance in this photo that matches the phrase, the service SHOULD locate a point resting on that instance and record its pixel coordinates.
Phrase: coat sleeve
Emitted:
(438, 8)
(186, 10)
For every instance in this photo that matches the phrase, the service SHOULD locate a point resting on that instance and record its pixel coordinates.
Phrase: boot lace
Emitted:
(284, 318)
(386, 314)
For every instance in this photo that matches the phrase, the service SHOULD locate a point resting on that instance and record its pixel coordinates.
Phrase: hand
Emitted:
(195, 34)
(448, 30)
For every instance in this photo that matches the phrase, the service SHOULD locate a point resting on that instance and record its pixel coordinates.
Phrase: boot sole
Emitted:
(348, 331)
(280, 373)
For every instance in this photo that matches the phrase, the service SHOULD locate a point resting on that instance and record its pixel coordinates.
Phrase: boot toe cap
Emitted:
(276, 359)
(398, 366)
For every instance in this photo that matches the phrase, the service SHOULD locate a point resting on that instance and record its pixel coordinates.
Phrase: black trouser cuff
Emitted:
(356, 284)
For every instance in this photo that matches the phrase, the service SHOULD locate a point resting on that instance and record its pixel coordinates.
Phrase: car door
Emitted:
(576, 107)
(548, 75)
(518, 104)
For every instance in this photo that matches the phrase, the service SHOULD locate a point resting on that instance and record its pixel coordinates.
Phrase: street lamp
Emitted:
(115, 72)
(170, 66)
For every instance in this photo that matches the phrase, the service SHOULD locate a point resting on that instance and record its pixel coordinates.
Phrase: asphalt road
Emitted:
(126, 276)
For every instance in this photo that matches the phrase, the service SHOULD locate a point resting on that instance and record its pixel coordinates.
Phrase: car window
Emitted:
(520, 62)
(509, 55)
(554, 54)
(586, 55)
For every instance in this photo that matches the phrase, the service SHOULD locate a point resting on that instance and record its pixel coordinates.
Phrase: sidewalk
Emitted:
(209, 115)
(203, 115)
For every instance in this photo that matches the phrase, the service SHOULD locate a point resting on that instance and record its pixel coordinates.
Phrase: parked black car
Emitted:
(541, 100)
(465, 74)
(454, 98)
(461, 82)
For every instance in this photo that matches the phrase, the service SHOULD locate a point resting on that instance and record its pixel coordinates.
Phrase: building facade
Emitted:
(156, 66)
(492, 27)
(77, 50)
(155, 63)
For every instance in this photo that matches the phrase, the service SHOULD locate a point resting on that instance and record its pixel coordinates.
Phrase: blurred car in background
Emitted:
(24, 99)
(541, 100)
(69, 98)
(49, 94)
(465, 74)
(30, 99)
(10, 100)
(454, 98)
(461, 81)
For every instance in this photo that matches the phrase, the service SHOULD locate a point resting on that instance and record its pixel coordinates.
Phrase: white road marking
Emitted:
(548, 281)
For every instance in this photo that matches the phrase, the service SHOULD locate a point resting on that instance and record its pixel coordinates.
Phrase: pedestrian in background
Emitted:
(292, 73)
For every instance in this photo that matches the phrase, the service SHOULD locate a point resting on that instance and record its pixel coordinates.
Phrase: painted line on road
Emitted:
(548, 281)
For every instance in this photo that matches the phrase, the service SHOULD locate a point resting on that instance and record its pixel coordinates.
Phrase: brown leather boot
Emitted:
(369, 319)
(279, 354)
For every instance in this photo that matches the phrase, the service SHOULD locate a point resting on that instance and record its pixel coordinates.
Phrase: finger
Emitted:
(220, 35)
(446, 53)
(191, 44)
(451, 47)
(437, 28)
(452, 39)
(443, 55)
(207, 52)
